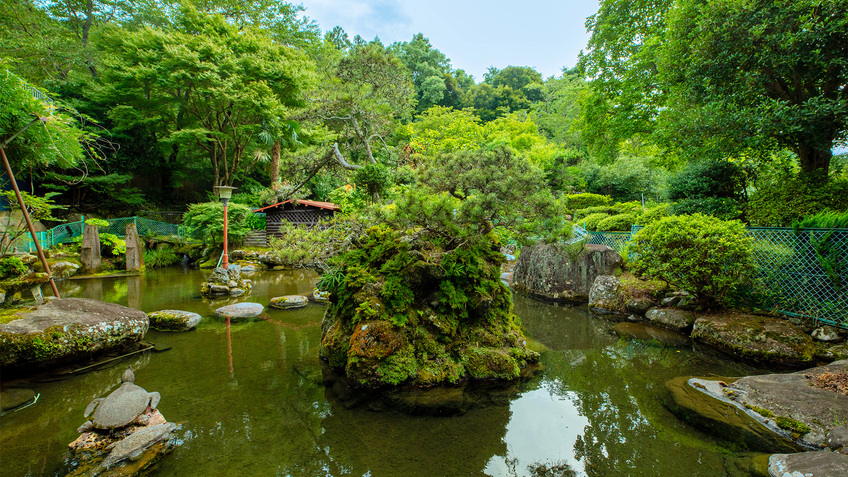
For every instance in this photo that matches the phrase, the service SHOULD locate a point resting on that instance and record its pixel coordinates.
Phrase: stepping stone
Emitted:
(240, 310)
(173, 320)
(289, 302)
(320, 296)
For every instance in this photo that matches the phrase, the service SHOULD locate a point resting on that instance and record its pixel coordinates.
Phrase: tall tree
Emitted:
(429, 67)
(208, 84)
(748, 73)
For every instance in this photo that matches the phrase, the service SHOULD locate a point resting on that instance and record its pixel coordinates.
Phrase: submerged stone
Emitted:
(671, 318)
(652, 334)
(817, 464)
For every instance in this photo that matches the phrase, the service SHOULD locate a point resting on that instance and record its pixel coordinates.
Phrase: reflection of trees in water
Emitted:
(620, 390)
(562, 327)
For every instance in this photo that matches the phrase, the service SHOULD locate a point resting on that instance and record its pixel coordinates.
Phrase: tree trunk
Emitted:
(815, 161)
(275, 165)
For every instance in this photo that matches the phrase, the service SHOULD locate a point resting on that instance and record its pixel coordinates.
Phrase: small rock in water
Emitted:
(289, 302)
(173, 320)
(320, 296)
(15, 397)
(240, 310)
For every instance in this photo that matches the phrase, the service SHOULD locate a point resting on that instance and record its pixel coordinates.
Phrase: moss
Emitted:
(11, 314)
(488, 363)
(797, 428)
(761, 411)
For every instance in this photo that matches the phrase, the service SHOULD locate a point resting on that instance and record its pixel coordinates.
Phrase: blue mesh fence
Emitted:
(805, 272)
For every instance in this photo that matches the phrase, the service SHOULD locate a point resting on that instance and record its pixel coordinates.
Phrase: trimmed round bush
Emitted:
(654, 214)
(617, 223)
(591, 221)
(698, 253)
(586, 199)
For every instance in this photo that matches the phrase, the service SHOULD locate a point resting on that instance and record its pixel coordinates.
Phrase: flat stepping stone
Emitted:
(289, 302)
(240, 310)
(173, 320)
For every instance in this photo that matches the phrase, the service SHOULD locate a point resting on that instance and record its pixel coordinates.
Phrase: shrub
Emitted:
(161, 257)
(590, 222)
(628, 178)
(698, 253)
(584, 200)
(724, 208)
(709, 178)
(788, 199)
(112, 245)
(11, 267)
(828, 219)
(618, 223)
(602, 209)
(654, 214)
(206, 221)
(255, 222)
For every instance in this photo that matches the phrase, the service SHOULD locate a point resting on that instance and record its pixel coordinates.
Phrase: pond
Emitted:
(251, 402)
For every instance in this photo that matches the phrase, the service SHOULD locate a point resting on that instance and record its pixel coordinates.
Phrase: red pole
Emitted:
(32, 230)
(226, 257)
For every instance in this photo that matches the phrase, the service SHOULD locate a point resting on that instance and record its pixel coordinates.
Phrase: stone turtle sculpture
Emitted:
(123, 406)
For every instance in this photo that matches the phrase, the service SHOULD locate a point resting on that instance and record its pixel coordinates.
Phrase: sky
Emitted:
(474, 34)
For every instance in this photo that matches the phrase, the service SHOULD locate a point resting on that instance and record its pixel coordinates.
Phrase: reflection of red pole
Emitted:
(226, 258)
(229, 346)
(32, 230)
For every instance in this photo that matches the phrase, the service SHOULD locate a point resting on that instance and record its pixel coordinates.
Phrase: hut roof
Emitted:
(308, 203)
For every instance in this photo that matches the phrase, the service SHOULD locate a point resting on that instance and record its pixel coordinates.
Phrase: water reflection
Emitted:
(251, 401)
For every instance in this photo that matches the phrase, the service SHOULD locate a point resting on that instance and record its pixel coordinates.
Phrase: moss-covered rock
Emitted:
(173, 320)
(560, 273)
(757, 338)
(408, 311)
(66, 329)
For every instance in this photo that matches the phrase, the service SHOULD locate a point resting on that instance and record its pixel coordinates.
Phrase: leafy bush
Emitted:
(590, 222)
(349, 198)
(11, 267)
(97, 222)
(711, 187)
(619, 223)
(655, 213)
(111, 244)
(628, 178)
(161, 257)
(828, 219)
(205, 221)
(601, 209)
(585, 200)
(698, 253)
(255, 222)
(785, 200)
(724, 208)
(372, 179)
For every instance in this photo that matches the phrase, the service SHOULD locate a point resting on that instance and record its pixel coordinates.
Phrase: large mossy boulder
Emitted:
(67, 329)
(758, 339)
(560, 273)
(409, 311)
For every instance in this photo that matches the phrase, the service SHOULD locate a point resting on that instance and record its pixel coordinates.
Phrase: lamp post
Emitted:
(224, 192)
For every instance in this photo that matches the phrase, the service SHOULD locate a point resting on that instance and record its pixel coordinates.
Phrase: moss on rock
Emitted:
(409, 311)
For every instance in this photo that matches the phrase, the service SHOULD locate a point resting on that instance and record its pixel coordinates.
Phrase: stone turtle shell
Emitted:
(121, 407)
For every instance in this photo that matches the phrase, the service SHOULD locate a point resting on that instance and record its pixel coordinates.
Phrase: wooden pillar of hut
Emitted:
(90, 249)
(135, 255)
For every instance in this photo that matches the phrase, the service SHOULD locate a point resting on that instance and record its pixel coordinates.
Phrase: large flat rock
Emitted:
(757, 338)
(818, 464)
(67, 329)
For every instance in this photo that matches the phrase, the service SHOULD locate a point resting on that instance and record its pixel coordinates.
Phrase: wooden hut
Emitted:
(305, 213)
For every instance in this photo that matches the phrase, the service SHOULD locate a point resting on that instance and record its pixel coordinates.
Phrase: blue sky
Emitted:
(544, 34)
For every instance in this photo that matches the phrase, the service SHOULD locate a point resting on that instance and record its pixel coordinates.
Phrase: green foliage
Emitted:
(111, 244)
(701, 254)
(626, 178)
(255, 222)
(591, 221)
(601, 209)
(584, 200)
(724, 208)
(11, 267)
(711, 187)
(205, 221)
(654, 214)
(618, 223)
(373, 179)
(827, 219)
(161, 257)
(786, 199)
(350, 198)
(97, 222)
(39, 208)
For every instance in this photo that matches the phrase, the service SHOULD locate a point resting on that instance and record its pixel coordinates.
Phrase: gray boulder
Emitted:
(837, 438)
(64, 269)
(559, 273)
(671, 318)
(66, 329)
(817, 464)
(639, 306)
(827, 334)
(605, 296)
(240, 310)
(173, 320)
(225, 282)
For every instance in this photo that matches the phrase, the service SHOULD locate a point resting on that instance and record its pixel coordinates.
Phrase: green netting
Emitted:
(68, 232)
(805, 272)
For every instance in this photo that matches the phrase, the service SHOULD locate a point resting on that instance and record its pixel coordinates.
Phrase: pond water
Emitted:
(251, 402)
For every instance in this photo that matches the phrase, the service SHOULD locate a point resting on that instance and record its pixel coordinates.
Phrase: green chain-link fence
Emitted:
(805, 272)
(68, 232)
